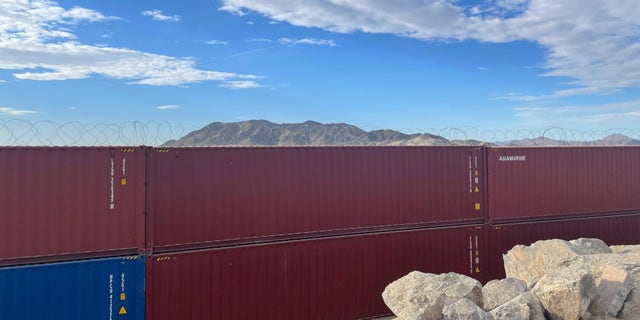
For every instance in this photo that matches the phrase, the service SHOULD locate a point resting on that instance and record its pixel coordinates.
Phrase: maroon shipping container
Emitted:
(326, 278)
(61, 203)
(205, 197)
(539, 183)
(613, 230)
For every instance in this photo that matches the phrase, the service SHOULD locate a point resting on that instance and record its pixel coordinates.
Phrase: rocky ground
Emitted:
(583, 279)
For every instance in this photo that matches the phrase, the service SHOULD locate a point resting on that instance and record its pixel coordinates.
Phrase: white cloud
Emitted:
(246, 84)
(217, 42)
(3, 81)
(159, 16)
(596, 43)
(168, 107)
(259, 40)
(309, 41)
(233, 10)
(36, 41)
(620, 114)
(16, 112)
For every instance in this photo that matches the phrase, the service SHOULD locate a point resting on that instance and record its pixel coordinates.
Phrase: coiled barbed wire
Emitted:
(20, 132)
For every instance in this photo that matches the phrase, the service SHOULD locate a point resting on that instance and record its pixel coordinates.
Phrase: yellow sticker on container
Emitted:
(122, 311)
(123, 182)
(476, 173)
(478, 206)
(123, 296)
(477, 270)
(477, 189)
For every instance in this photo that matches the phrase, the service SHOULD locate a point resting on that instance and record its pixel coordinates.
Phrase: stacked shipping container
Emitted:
(63, 203)
(65, 206)
(296, 232)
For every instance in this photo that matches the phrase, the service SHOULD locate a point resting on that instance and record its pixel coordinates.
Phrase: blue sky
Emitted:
(409, 65)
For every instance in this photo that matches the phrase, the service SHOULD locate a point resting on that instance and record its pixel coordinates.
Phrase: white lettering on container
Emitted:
(512, 158)
(112, 204)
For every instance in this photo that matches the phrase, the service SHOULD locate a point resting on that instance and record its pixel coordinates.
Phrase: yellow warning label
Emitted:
(477, 206)
(122, 311)
(123, 182)
(476, 173)
(477, 271)
(477, 189)
(477, 254)
(123, 296)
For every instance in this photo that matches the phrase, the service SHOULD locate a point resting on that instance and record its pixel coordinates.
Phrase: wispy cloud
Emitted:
(309, 41)
(37, 43)
(16, 112)
(3, 81)
(217, 42)
(240, 84)
(168, 107)
(594, 43)
(158, 15)
(290, 42)
(620, 114)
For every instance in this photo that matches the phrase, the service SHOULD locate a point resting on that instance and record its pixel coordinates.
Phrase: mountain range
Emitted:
(311, 133)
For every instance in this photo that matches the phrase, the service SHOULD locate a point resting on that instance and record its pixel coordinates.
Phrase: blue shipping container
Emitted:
(100, 289)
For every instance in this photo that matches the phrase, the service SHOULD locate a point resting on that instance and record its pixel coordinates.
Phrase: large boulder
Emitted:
(411, 297)
(464, 309)
(613, 288)
(587, 246)
(523, 307)
(565, 293)
(498, 292)
(631, 307)
(529, 263)
(424, 295)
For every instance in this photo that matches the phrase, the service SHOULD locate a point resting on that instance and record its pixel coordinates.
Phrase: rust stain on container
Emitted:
(200, 197)
(543, 183)
(328, 278)
(59, 203)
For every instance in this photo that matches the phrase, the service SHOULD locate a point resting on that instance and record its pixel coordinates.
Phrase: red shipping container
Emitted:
(613, 230)
(61, 203)
(326, 278)
(541, 183)
(205, 197)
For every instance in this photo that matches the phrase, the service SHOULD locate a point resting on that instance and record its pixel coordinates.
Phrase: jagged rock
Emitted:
(631, 307)
(585, 246)
(498, 292)
(411, 297)
(589, 316)
(565, 293)
(464, 309)
(529, 263)
(612, 289)
(456, 286)
(424, 295)
(524, 307)
(625, 249)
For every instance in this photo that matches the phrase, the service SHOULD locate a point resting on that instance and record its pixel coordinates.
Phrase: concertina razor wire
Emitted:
(20, 132)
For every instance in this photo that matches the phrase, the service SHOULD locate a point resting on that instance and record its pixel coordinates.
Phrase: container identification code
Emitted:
(512, 158)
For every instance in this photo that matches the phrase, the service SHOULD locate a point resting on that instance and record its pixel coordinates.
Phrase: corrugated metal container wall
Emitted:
(200, 197)
(500, 239)
(327, 278)
(538, 183)
(107, 289)
(58, 203)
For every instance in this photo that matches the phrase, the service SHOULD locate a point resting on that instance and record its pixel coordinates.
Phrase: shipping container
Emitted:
(204, 197)
(613, 230)
(326, 278)
(101, 289)
(543, 183)
(63, 203)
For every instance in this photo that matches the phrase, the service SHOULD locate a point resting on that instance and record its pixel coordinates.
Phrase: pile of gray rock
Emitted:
(552, 279)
